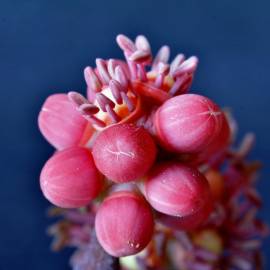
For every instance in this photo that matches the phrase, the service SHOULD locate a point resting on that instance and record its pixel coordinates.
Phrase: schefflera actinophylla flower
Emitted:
(148, 95)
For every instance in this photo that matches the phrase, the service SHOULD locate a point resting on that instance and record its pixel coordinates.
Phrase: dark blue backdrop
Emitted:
(44, 46)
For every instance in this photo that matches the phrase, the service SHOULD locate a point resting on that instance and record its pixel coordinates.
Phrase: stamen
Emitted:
(162, 56)
(127, 101)
(111, 67)
(159, 80)
(140, 56)
(85, 108)
(115, 118)
(77, 99)
(189, 66)
(102, 100)
(163, 70)
(177, 87)
(132, 69)
(150, 91)
(187, 84)
(121, 77)
(95, 121)
(92, 80)
(88, 109)
(102, 70)
(125, 44)
(141, 73)
(142, 43)
(246, 145)
(177, 61)
(116, 88)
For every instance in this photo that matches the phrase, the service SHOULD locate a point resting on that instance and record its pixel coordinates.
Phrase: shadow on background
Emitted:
(44, 46)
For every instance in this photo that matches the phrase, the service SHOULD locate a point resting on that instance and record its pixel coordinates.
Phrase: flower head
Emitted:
(176, 192)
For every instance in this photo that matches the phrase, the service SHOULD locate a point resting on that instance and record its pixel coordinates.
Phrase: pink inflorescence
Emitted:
(149, 169)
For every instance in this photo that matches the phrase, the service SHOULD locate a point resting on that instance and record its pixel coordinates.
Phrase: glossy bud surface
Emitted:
(70, 179)
(124, 152)
(124, 224)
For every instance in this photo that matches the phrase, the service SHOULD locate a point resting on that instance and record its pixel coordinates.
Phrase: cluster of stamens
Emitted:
(117, 89)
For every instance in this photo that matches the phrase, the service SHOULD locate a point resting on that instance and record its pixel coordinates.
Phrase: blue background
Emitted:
(44, 46)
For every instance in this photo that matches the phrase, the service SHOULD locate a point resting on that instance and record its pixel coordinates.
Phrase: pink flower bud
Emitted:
(70, 178)
(60, 123)
(187, 123)
(189, 222)
(124, 224)
(124, 152)
(215, 151)
(175, 189)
